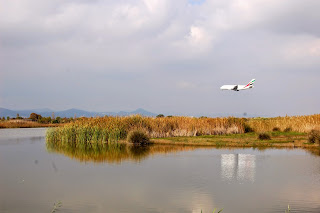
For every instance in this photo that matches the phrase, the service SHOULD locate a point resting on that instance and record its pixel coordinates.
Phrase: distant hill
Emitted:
(70, 113)
(7, 112)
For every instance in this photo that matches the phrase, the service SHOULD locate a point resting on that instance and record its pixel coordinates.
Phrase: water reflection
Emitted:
(314, 151)
(31, 179)
(113, 152)
(240, 167)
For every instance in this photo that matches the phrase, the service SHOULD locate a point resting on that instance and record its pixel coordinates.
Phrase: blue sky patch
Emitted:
(197, 2)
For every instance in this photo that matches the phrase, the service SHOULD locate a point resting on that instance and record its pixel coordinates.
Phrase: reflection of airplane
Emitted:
(238, 87)
(238, 166)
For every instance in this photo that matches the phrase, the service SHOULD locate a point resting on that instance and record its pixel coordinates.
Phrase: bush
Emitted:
(314, 136)
(276, 129)
(138, 137)
(248, 128)
(288, 129)
(160, 116)
(264, 136)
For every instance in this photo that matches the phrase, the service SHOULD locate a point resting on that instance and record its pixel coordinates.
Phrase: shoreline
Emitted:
(278, 140)
(26, 124)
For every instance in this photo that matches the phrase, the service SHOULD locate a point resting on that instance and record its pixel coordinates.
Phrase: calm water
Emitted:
(153, 179)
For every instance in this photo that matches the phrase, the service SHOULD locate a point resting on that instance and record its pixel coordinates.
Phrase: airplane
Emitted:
(238, 87)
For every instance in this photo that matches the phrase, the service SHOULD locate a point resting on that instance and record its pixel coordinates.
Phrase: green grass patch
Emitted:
(278, 139)
(288, 134)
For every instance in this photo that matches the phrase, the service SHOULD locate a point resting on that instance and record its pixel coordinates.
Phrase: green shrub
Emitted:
(314, 136)
(276, 129)
(160, 116)
(138, 137)
(264, 136)
(288, 129)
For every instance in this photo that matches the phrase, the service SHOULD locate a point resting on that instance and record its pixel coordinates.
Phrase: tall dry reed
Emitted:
(108, 129)
(296, 123)
(112, 129)
(23, 124)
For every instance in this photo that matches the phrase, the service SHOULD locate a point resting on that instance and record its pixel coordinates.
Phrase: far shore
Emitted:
(26, 124)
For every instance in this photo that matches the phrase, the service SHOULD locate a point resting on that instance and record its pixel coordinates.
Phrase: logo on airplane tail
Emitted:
(250, 83)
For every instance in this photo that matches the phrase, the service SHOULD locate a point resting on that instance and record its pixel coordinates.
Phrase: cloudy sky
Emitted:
(166, 56)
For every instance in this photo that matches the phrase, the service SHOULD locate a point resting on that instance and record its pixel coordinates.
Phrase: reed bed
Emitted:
(23, 124)
(112, 129)
(293, 123)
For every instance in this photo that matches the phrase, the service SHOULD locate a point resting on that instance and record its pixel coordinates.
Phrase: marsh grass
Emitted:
(138, 137)
(288, 129)
(264, 136)
(288, 210)
(24, 124)
(113, 129)
(276, 129)
(248, 128)
(296, 123)
(314, 136)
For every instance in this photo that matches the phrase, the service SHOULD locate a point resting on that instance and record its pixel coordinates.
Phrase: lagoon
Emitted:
(158, 178)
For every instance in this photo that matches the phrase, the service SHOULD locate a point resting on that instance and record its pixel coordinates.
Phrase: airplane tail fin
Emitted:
(251, 83)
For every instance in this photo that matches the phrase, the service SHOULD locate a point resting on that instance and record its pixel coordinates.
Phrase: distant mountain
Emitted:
(141, 111)
(136, 112)
(7, 112)
(70, 113)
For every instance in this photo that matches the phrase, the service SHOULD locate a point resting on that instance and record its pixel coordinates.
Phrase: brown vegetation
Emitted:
(264, 136)
(288, 123)
(138, 137)
(23, 124)
(276, 129)
(113, 129)
(107, 129)
(314, 136)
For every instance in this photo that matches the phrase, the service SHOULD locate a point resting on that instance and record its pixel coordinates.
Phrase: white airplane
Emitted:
(238, 87)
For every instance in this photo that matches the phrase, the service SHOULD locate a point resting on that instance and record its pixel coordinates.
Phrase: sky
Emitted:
(166, 56)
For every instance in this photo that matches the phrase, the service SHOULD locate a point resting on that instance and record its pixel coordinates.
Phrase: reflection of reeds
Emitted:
(108, 129)
(112, 152)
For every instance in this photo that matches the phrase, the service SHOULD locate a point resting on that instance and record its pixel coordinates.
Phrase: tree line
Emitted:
(38, 118)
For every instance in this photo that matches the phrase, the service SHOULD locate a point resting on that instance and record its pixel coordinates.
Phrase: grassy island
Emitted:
(237, 132)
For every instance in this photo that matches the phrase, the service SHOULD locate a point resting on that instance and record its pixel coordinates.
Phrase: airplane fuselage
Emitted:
(235, 87)
(238, 87)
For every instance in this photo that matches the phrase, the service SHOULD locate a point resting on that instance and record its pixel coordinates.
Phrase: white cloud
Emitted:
(157, 40)
(302, 51)
(198, 37)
